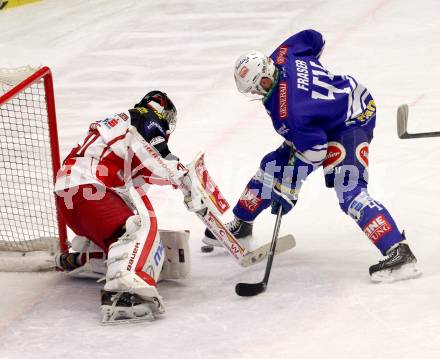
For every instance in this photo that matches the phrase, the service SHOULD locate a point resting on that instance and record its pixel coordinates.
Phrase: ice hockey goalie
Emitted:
(103, 184)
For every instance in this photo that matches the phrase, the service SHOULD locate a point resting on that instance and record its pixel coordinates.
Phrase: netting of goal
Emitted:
(29, 160)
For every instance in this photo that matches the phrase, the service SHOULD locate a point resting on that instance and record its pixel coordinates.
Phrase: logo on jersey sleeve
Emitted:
(111, 122)
(281, 56)
(377, 228)
(283, 99)
(283, 130)
(362, 153)
(124, 116)
(368, 114)
(335, 155)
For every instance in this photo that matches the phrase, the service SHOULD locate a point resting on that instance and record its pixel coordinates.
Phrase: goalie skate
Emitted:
(124, 307)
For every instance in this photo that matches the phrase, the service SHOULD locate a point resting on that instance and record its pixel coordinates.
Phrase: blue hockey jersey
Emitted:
(308, 103)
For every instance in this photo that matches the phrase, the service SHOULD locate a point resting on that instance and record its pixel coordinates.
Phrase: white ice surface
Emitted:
(106, 54)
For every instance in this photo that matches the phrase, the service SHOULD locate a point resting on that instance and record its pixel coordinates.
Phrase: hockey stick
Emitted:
(402, 124)
(251, 289)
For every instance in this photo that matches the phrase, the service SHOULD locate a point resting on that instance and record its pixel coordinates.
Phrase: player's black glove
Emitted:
(282, 199)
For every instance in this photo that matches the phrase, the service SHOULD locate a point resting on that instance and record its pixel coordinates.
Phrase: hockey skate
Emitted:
(67, 261)
(240, 229)
(400, 264)
(87, 260)
(125, 307)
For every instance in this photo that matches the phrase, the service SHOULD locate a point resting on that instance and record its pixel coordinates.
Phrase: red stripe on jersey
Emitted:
(110, 170)
(112, 142)
(139, 170)
(151, 237)
(91, 137)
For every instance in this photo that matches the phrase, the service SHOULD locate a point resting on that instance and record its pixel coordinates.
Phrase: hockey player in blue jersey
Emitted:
(326, 121)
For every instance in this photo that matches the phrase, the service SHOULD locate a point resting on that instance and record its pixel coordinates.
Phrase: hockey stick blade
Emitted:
(402, 125)
(250, 289)
(284, 243)
(402, 121)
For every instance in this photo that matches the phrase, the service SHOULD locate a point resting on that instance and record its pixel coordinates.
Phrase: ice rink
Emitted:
(106, 54)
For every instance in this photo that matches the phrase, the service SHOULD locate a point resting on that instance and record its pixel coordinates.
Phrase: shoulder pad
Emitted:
(113, 126)
(113, 120)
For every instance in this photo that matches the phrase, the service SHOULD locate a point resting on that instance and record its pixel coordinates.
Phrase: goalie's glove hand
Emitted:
(281, 199)
(192, 197)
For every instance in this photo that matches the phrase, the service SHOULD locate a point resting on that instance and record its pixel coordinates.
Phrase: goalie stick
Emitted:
(251, 289)
(214, 199)
(402, 124)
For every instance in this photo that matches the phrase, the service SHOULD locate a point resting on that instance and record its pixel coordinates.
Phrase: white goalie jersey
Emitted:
(110, 156)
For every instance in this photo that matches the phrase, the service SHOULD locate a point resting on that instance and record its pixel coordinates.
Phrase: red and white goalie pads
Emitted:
(135, 261)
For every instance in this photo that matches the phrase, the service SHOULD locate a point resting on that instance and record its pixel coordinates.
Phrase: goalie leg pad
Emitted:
(136, 259)
(177, 259)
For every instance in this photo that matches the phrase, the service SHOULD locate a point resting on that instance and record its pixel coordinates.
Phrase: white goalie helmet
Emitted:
(249, 69)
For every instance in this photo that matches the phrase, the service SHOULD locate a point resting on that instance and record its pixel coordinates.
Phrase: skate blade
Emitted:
(284, 243)
(115, 316)
(407, 271)
(126, 321)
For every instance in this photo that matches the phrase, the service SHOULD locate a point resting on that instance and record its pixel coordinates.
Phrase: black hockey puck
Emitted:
(207, 249)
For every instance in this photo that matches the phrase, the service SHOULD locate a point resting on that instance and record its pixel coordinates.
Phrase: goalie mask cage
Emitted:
(29, 160)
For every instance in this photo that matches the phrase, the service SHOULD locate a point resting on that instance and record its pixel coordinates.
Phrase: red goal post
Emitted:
(29, 161)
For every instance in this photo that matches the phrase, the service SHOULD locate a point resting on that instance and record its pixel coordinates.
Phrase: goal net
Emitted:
(30, 225)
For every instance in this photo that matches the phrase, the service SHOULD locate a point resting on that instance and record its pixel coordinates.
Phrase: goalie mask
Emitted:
(250, 69)
(162, 104)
